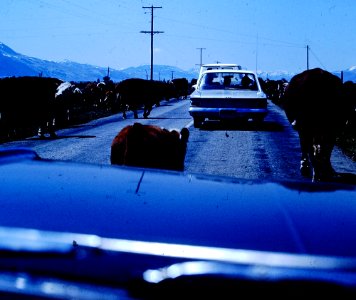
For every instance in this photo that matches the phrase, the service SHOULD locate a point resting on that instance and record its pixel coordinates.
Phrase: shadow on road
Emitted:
(341, 180)
(59, 137)
(242, 126)
(164, 118)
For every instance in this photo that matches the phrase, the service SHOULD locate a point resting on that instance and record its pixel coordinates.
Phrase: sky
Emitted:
(262, 35)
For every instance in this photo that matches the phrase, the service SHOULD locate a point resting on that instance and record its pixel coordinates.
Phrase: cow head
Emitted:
(150, 146)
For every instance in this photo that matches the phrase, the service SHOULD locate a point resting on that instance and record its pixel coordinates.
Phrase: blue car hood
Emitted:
(178, 207)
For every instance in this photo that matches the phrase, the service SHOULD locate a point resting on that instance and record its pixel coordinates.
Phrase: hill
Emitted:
(16, 64)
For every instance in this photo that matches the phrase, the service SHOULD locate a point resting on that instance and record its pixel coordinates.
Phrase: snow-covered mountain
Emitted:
(160, 72)
(348, 74)
(16, 64)
(275, 75)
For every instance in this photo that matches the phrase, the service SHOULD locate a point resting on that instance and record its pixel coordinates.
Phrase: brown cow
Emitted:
(316, 106)
(150, 146)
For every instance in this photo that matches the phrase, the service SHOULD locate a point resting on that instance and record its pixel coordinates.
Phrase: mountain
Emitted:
(160, 72)
(16, 64)
(349, 74)
(275, 75)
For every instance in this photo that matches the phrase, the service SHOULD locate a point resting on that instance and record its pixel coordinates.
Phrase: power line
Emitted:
(152, 32)
(317, 58)
(272, 42)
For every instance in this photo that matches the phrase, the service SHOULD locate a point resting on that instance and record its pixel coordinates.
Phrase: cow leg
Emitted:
(322, 149)
(306, 145)
(134, 108)
(305, 169)
(42, 128)
(147, 111)
(47, 127)
(52, 133)
(41, 132)
(124, 108)
(51, 128)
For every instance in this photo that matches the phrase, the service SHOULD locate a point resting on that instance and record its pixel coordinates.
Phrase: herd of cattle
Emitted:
(31, 105)
(317, 104)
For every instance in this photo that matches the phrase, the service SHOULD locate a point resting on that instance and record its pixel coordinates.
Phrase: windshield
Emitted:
(151, 142)
(227, 80)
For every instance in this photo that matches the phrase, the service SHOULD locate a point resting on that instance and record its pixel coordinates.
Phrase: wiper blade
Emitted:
(211, 280)
(247, 272)
(25, 286)
(37, 241)
(30, 240)
(119, 262)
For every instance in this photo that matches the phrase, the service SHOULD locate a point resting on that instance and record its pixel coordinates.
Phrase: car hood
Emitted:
(245, 94)
(178, 207)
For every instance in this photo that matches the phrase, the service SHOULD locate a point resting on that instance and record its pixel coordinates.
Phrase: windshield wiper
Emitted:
(156, 267)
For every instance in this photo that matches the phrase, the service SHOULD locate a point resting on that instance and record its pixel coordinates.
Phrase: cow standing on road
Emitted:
(315, 105)
(27, 105)
(136, 93)
(181, 87)
(67, 98)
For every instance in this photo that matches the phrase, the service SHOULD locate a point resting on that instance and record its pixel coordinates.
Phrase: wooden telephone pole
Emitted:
(201, 56)
(152, 32)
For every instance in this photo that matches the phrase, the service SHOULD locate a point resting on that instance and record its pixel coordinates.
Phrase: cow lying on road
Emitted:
(150, 146)
(315, 105)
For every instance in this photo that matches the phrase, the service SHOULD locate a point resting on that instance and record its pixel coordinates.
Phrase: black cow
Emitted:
(274, 89)
(136, 93)
(68, 98)
(27, 105)
(181, 86)
(317, 108)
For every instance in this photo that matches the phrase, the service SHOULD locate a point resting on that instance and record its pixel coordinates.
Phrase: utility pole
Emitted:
(152, 32)
(307, 57)
(201, 55)
(256, 51)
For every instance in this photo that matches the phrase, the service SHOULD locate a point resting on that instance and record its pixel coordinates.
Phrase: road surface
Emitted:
(268, 151)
